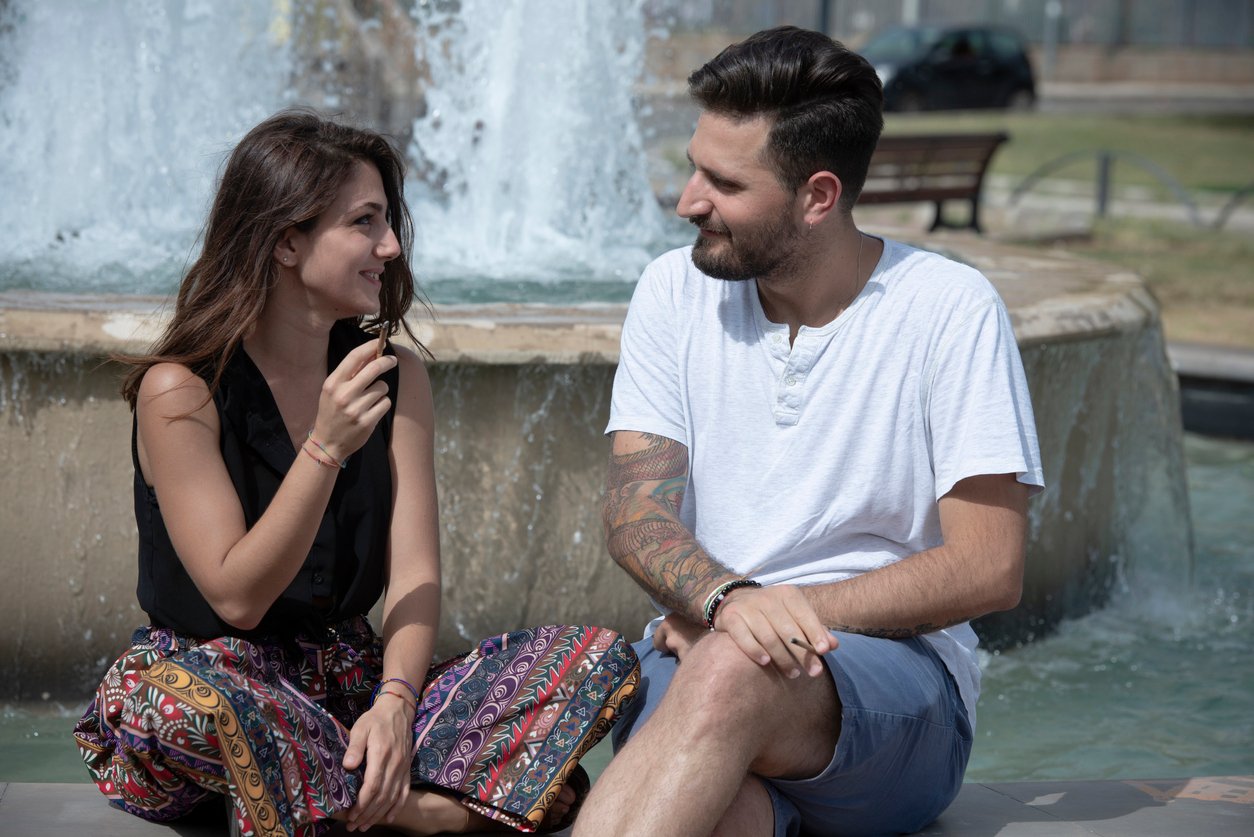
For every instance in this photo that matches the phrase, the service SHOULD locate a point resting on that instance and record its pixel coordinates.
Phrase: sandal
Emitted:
(479, 823)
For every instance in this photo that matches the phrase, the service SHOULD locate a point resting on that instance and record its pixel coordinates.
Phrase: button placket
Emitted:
(798, 368)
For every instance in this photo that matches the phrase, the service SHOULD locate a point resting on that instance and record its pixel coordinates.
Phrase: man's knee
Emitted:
(790, 724)
(728, 681)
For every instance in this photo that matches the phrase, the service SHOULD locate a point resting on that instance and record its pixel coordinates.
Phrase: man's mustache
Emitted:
(702, 222)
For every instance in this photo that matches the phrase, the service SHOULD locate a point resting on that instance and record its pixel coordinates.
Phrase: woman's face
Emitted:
(340, 261)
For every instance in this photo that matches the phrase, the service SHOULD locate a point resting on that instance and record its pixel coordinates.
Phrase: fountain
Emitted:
(534, 217)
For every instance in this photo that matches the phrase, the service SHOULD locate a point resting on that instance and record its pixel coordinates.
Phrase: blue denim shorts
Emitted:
(903, 746)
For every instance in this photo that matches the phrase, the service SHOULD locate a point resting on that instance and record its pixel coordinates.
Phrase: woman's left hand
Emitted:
(383, 739)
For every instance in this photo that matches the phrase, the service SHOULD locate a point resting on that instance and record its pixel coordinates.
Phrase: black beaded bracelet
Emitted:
(720, 593)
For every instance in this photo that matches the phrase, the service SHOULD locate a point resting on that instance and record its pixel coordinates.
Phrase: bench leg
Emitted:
(973, 223)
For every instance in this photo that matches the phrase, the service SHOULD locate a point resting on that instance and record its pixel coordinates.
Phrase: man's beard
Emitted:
(757, 253)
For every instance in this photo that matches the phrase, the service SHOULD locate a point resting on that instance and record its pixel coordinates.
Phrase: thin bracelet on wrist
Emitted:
(315, 457)
(381, 690)
(309, 437)
(412, 690)
(380, 693)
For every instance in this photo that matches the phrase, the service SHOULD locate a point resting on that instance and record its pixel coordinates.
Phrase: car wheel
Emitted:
(1021, 100)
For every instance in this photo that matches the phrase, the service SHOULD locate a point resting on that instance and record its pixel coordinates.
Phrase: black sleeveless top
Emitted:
(342, 576)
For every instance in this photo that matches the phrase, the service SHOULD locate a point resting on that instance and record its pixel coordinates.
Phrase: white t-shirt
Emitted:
(816, 462)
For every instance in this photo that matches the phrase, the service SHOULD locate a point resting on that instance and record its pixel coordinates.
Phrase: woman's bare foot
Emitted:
(428, 812)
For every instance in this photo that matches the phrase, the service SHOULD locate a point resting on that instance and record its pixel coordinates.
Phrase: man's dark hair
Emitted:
(825, 102)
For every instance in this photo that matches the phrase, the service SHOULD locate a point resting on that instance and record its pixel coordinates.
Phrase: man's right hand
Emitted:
(677, 634)
(763, 621)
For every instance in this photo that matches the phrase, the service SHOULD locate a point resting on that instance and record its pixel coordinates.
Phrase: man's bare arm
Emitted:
(644, 490)
(978, 569)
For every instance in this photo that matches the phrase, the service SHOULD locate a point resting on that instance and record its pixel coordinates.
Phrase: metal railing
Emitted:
(1105, 177)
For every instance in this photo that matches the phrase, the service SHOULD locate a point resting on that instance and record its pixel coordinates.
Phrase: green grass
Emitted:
(1203, 278)
(1203, 153)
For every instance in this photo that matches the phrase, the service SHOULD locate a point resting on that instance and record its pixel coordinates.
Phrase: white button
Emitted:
(777, 338)
(791, 381)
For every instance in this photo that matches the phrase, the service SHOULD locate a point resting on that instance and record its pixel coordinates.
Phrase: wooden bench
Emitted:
(931, 167)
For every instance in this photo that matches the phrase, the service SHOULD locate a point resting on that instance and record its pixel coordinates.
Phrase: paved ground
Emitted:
(1145, 97)
(1201, 807)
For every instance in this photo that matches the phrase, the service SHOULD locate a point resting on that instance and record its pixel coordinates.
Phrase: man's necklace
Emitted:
(857, 275)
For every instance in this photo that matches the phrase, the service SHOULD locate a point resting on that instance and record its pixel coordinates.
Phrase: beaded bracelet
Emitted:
(719, 593)
(309, 437)
(723, 589)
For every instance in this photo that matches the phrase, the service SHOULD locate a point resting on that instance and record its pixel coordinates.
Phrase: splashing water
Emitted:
(530, 150)
(115, 118)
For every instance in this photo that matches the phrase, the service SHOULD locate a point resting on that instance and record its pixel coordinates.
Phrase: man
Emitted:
(822, 451)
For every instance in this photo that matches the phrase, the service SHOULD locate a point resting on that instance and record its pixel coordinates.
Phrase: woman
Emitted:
(284, 479)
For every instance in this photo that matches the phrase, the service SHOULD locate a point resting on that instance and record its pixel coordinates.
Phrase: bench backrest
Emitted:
(928, 167)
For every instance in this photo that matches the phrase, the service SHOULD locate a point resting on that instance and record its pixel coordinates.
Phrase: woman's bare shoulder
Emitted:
(173, 388)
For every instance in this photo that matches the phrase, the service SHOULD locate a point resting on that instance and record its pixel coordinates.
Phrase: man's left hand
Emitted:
(763, 621)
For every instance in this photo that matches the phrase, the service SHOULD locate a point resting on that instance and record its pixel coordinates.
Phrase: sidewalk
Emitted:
(1214, 807)
(1144, 97)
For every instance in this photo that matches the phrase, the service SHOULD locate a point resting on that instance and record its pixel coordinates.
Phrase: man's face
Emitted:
(749, 224)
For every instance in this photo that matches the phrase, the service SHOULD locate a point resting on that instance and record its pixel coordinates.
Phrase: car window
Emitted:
(952, 46)
(1005, 45)
(897, 45)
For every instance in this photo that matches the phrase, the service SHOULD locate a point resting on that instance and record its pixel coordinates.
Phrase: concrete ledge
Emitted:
(1215, 807)
(1052, 298)
(505, 334)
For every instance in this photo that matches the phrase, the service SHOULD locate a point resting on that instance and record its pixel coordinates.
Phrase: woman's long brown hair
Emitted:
(284, 173)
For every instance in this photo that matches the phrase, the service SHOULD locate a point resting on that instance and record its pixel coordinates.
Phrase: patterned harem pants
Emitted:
(177, 721)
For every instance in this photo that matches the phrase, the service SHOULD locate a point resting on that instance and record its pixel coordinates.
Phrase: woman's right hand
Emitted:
(352, 401)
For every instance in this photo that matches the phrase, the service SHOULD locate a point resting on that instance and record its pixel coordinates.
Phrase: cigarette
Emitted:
(383, 339)
(801, 642)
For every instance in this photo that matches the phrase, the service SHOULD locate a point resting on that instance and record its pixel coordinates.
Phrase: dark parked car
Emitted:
(943, 68)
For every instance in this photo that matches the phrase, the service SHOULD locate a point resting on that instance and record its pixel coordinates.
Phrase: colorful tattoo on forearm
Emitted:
(644, 491)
